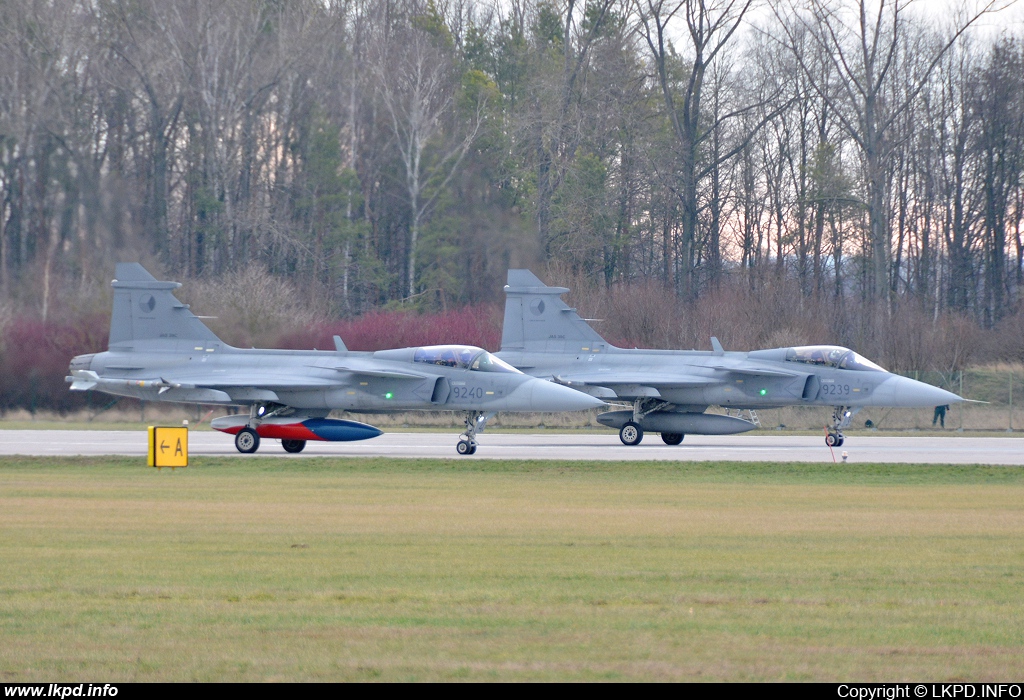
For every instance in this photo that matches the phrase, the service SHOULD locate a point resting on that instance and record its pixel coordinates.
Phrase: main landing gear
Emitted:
(475, 423)
(631, 433)
(841, 417)
(247, 440)
(293, 446)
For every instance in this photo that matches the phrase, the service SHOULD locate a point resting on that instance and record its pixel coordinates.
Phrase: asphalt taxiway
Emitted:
(756, 446)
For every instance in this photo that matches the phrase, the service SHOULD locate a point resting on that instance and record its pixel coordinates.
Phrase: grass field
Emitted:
(268, 569)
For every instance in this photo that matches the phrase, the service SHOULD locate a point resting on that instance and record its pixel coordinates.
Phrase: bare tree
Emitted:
(418, 83)
(707, 28)
(1001, 151)
(865, 47)
(139, 39)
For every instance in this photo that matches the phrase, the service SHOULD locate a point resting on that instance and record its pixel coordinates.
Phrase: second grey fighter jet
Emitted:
(670, 390)
(159, 351)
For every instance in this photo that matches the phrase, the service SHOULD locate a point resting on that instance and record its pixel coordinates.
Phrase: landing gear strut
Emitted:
(841, 417)
(475, 422)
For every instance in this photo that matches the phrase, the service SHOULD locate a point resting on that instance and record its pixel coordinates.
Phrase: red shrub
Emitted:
(35, 356)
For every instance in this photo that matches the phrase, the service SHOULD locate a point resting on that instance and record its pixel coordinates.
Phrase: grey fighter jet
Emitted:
(159, 351)
(670, 390)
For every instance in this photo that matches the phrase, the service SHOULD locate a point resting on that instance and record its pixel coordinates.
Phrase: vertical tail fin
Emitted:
(537, 320)
(145, 309)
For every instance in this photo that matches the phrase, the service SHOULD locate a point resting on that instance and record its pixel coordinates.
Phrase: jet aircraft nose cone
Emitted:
(546, 397)
(910, 393)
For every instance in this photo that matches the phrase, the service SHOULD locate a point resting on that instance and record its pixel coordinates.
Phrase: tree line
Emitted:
(846, 156)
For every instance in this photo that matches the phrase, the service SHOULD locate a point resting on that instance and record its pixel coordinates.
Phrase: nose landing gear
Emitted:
(475, 423)
(841, 417)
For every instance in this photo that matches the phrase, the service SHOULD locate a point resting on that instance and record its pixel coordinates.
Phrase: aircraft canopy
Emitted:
(831, 356)
(463, 356)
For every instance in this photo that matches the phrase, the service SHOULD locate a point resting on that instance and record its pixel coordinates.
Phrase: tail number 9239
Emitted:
(467, 392)
(835, 389)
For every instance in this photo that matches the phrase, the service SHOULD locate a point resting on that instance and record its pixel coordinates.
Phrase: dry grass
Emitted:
(987, 419)
(435, 570)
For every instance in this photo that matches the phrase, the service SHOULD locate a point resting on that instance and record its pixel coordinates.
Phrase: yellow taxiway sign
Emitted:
(168, 447)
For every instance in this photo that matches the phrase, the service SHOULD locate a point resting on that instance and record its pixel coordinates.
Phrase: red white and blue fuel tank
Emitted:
(292, 428)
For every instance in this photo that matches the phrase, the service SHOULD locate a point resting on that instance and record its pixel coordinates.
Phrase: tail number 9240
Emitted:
(467, 392)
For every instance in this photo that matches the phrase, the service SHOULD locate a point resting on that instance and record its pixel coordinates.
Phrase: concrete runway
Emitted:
(551, 445)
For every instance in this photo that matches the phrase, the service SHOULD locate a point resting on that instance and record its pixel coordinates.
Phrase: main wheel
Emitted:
(247, 441)
(840, 440)
(293, 446)
(631, 434)
(672, 438)
(833, 440)
(465, 447)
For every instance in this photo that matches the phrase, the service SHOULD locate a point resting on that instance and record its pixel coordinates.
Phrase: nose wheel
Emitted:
(475, 422)
(841, 418)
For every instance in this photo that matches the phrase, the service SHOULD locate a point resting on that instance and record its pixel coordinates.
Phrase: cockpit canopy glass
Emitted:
(831, 356)
(486, 362)
(463, 357)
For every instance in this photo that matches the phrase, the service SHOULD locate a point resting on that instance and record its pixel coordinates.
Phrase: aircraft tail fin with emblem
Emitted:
(145, 309)
(537, 320)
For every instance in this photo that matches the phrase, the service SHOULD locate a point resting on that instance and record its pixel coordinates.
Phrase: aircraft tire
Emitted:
(631, 434)
(833, 440)
(465, 447)
(293, 446)
(672, 438)
(247, 441)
